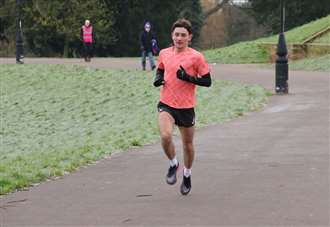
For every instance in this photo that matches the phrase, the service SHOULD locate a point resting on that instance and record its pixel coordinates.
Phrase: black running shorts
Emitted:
(182, 117)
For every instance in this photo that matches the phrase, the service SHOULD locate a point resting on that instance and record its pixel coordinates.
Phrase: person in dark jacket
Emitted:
(87, 37)
(148, 43)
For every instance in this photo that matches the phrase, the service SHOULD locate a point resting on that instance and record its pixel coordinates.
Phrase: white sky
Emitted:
(240, 1)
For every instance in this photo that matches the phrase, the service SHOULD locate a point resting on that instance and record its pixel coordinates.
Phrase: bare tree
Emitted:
(215, 9)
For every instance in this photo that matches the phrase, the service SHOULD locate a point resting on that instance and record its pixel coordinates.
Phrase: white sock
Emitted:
(186, 172)
(174, 162)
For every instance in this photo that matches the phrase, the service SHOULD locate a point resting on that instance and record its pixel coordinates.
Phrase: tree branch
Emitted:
(216, 8)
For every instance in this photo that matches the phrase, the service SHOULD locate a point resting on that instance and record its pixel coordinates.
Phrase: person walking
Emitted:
(87, 37)
(147, 44)
(180, 68)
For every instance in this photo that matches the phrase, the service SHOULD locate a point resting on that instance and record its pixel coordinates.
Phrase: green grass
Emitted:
(321, 64)
(57, 118)
(315, 64)
(299, 34)
(324, 39)
(240, 53)
(251, 52)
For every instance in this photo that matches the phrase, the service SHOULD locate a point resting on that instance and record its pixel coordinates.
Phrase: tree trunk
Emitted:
(66, 47)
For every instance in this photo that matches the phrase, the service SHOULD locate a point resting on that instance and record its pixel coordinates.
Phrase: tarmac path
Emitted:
(267, 168)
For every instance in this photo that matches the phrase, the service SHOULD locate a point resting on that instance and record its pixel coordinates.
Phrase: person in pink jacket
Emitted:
(87, 37)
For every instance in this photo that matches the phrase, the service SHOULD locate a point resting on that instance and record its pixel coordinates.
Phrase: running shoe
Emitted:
(186, 185)
(171, 174)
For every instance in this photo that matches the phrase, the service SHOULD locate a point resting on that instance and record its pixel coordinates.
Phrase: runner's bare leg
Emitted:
(165, 123)
(187, 135)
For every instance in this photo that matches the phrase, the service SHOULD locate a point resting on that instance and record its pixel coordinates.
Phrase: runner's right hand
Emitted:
(159, 79)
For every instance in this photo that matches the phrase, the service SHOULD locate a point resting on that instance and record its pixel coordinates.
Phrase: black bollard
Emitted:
(282, 68)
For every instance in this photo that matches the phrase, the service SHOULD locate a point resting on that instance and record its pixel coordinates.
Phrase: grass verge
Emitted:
(56, 118)
(321, 64)
(313, 64)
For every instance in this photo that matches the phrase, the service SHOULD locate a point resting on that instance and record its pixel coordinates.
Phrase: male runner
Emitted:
(180, 69)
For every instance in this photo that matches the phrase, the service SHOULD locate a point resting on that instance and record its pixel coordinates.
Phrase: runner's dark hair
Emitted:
(182, 23)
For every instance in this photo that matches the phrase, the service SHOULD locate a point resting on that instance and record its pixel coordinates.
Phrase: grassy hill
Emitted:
(251, 52)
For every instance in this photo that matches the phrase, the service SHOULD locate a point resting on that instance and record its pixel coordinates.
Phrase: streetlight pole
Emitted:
(282, 69)
(19, 39)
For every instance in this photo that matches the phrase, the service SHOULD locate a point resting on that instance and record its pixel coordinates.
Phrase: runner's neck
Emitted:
(177, 51)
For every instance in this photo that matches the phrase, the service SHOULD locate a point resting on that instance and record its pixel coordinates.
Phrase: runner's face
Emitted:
(181, 38)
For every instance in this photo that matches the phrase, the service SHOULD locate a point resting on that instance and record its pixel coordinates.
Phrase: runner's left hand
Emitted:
(182, 75)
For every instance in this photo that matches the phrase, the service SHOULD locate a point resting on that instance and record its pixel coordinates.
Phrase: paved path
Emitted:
(269, 168)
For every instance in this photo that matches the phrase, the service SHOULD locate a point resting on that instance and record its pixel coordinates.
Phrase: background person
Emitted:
(87, 37)
(147, 37)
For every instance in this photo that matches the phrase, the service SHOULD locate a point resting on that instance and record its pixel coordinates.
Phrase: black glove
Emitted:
(204, 81)
(159, 79)
(182, 75)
